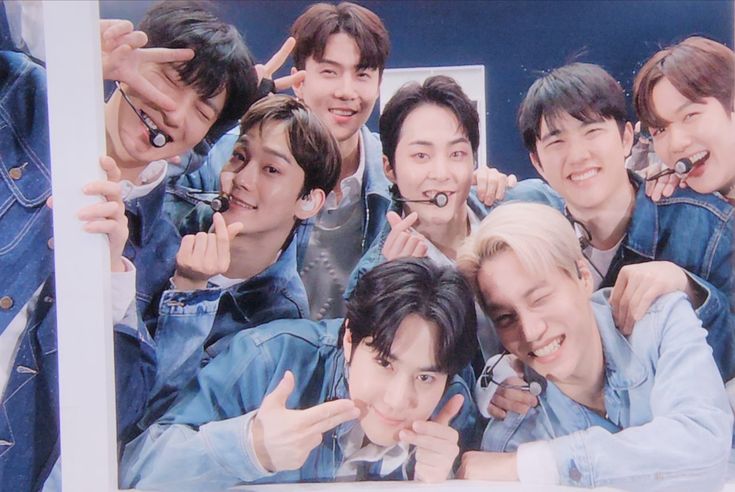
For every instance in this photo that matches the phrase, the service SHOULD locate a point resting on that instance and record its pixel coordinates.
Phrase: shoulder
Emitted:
(691, 203)
(293, 334)
(534, 190)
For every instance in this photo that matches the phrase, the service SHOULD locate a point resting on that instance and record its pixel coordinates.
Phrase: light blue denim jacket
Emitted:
(669, 423)
(200, 443)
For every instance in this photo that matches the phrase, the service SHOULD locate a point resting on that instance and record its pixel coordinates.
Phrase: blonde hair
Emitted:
(540, 236)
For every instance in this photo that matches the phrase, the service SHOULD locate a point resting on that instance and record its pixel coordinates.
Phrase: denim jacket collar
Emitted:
(375, 181)
(149, 209)
(623, 368)
(642, 234)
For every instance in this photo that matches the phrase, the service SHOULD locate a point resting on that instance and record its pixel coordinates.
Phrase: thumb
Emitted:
(393, 218)
(277, 398)
(234, 229)
(110, 167)
(512, 180)
(450, 410)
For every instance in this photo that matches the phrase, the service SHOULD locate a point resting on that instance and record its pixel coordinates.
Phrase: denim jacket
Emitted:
(528, 190)
(200, 443)
(29, 423)
(695, 232)
(668, 425)
(194, 326)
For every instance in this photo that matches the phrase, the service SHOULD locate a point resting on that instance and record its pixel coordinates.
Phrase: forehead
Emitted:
(216, 101)
(273, 134)
(503, 278)
(666, 99)
(430, 123)
(414, 344)
(340, 48)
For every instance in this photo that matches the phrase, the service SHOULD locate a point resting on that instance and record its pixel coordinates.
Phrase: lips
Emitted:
(549, 349)
(698, 161)
(388, 420)
(343, 112)
(242, 203)
(584, 175)
(152, 124)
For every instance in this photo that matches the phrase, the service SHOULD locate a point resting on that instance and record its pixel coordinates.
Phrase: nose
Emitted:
(678, 139)
(532, 325)
(247, 177)
(400, 393)
(346, 87)
(439, 168)
(184, 106)
(579, 151)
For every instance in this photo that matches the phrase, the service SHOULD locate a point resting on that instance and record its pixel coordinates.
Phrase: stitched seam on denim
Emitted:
(10, 429)
(21, 234)
(5, 206)
(712, 247)
(32, 157)
(722, 215)
(25, 67)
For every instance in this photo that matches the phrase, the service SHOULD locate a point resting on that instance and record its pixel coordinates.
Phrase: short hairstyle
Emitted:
(314, 27)
(438, 90)
(393, 290)
(583, 90)
(697, 67)
(539, 235)
(311, 143)
(221, 60)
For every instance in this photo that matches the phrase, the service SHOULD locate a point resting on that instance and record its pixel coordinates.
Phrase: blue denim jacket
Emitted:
(200, 443)
(528, 190)
(695, 232)
(669, 423)
(29, 423)
(194, 326)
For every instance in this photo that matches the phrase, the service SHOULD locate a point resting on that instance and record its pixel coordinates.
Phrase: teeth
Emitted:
(148, 120)
(698, 156)
(548, 349)
(585, 175)
(243, 204)
(342, 112)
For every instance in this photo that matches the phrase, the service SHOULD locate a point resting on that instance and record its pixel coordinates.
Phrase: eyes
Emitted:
(423, 378)
(171, 79)
(454, 155)
(507, 319)
(361, 75)
(690, 117)
(241, 158)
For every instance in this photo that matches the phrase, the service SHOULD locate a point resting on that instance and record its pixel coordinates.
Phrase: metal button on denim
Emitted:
(6, 302)
(50, 243)
(17, 172)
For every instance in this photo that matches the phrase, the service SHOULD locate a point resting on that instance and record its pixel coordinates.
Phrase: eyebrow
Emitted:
(434, 368)
(528, 293)
(684, 106)
(285, 157)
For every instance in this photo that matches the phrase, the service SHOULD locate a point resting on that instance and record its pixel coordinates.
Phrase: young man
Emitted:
(684, 95)
(642, 412)
(342, 49)
(340, 399)
(213, 83)
(573, 124)
(430, 135)
(238, 269)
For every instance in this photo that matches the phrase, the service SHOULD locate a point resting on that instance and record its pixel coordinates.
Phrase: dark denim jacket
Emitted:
(695, 232)
(199, 444)
(29, 423)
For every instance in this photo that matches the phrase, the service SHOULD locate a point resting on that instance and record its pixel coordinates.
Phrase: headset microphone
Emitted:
(220, 203)
(155, 136)
(440, 200)
(681, 168)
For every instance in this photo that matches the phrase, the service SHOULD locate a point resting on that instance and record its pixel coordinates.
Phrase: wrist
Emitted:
(261, 453)
(185, 283)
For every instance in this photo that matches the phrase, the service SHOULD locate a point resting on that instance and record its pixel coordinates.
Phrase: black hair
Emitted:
(391, 291)
(320, 21)
(221, 60)
(438, 90)
(583, 90)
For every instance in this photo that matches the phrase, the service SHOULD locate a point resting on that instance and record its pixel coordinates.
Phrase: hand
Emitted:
(491, 184)
(436, 443)
(506, 399)
(483, 465)
(639, 285)
(277, 60)
(204, 255)
(123, 54)
(663, 186)
(283, 438)
(402, 240)
(107, 217)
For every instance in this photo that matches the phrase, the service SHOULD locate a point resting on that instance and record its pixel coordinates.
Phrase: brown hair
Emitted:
(314, 27)
(697, 67)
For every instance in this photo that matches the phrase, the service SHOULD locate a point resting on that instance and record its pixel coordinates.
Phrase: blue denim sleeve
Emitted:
(185, 320)
(372, 258)
(200, 443)
(685, 445)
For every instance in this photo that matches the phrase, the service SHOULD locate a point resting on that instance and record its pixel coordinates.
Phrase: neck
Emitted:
(130, 169)
(448, 236)
(250, 254)
(350, 152)
(586, 385)
(607, 224)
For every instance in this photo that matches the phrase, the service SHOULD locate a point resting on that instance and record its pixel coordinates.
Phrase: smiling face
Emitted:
(264, 181)
(702, 131)
(186, 126)
(337, 90)
(433, 155)
(583, 161)
(542, 318)
(406, 387)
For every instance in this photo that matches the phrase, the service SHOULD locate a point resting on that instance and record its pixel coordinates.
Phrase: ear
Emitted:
(388, 170)
(310, 205)
(585, 276)
(298, 86)
(628, 137)
(347, 342)
(537, 164)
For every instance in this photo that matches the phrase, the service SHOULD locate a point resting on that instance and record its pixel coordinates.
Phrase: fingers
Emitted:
(222, 237)
(277, 398)
(321, 418)
(107, 189)
(110, 167)
(279, 58)
(450, 410)
(496, 412)
(166, 55)
(513, 399)
(283, 83)
(512, 180)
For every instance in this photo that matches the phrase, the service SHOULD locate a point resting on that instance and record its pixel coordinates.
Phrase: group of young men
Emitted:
(311, 307)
